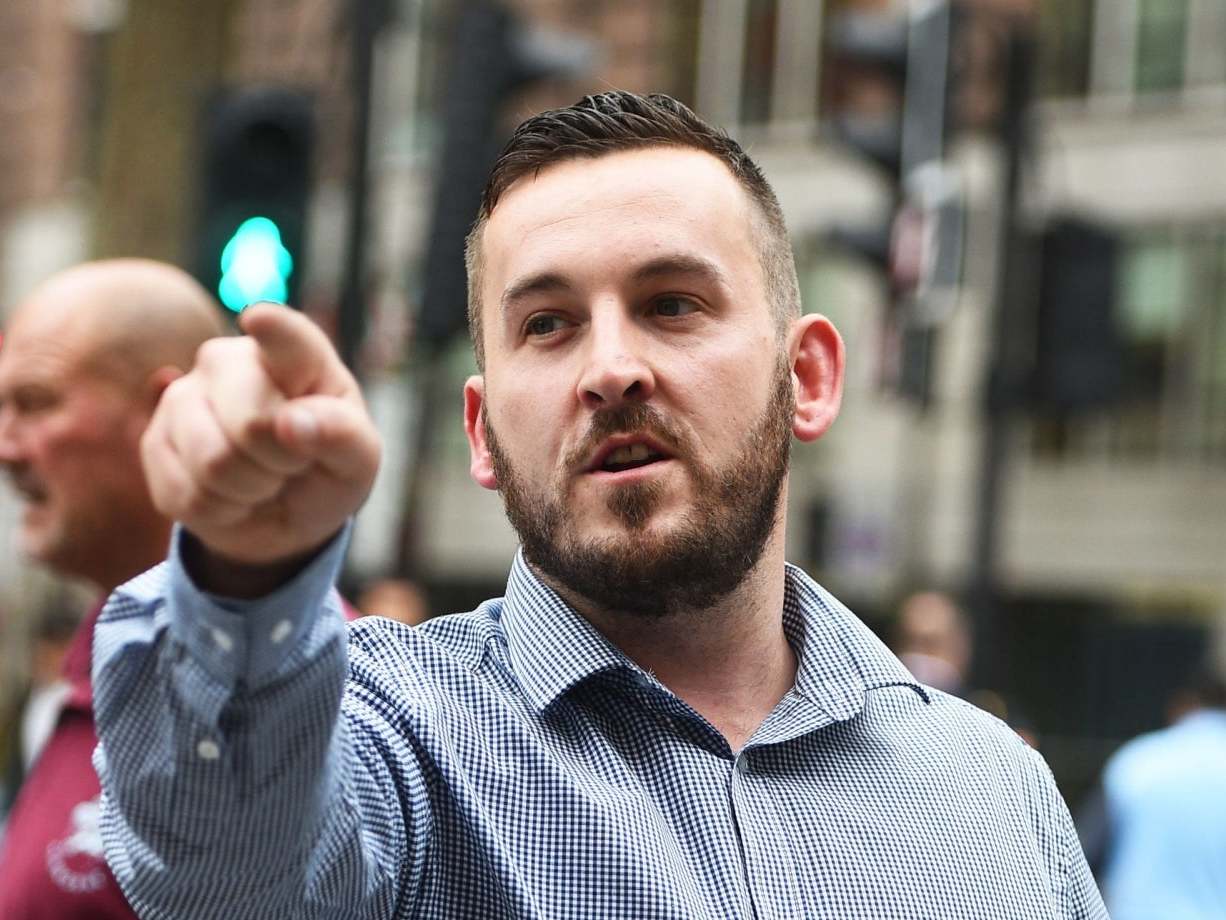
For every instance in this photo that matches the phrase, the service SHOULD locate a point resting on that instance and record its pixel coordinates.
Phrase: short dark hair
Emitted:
(617, 121)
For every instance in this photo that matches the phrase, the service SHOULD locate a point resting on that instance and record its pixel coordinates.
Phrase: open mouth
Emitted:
(627, 453)
(629, 457)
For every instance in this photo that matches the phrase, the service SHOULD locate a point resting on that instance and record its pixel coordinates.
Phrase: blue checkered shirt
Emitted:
(257, 762)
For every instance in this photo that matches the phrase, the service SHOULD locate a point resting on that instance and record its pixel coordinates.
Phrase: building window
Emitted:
(1171, 320)
(1064, 50)
(1130, 48)
(761, 23)
(1162, 29)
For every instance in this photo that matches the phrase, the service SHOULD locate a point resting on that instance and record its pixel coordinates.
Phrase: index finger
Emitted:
(295, 352)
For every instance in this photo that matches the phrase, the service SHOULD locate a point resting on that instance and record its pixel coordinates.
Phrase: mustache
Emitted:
(625, 418)
(23, 481)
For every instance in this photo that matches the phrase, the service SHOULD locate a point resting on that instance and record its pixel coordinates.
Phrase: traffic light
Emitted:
(257, 151)
(494, 53)
(890, 82)
(1078, 358)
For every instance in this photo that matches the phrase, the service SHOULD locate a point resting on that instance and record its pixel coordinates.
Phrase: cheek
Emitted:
(530, 423)
(728, 398)
(83, 456)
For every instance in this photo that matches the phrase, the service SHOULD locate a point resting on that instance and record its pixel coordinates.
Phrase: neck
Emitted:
(148, 547)
(731, 662)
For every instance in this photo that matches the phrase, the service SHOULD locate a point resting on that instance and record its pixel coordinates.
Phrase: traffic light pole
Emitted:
(366, 17)
(1003, 376)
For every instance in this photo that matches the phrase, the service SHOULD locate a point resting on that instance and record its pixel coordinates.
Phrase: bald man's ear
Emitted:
(156, 384)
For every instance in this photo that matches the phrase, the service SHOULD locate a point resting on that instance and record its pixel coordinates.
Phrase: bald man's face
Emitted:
(69, 441)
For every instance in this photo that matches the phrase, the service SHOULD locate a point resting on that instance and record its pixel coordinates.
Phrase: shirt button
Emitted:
(208, 749)
(224, 640)
(281, 632)
(742, 764)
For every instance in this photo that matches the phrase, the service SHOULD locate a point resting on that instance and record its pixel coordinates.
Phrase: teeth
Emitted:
(630, 453)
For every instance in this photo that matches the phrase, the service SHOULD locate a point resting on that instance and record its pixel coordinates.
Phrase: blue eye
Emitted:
(674, 306)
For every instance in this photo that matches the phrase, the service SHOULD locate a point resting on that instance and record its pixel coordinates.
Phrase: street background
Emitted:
(1014, 211)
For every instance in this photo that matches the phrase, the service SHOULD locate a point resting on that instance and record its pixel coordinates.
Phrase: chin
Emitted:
(41, 548)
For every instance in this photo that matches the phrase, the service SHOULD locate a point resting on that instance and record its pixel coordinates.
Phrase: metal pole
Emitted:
(365, 19)
(1003, 376)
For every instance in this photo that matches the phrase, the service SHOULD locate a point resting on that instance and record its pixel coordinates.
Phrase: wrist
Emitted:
(219, 575)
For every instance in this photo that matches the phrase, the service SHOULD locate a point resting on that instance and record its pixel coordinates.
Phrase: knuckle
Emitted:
(254, 430)
(197, 504)
(217, 462)
(209, 352)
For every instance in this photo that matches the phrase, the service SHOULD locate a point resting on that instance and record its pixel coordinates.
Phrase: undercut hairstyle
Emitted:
(618, 121)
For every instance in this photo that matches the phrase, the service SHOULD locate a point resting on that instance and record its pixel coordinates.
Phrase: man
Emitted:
(1164, 796)
(933, 640)
(660, 719)
(85, 358)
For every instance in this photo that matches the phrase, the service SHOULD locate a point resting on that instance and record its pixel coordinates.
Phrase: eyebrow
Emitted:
(550, 282)
(542, 283)
(679, 265)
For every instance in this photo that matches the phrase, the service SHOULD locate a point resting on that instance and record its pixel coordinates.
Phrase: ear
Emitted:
(482, 466)
(815, 350)
(156, 384)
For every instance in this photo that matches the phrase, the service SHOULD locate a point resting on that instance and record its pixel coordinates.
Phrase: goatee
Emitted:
(700, 559)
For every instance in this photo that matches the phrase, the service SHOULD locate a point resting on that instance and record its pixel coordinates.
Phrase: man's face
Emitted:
(69, 444)
(636, 408)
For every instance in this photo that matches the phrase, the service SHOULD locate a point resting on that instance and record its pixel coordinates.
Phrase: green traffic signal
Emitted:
(255, 265)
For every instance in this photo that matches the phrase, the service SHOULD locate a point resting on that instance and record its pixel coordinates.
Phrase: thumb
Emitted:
(295, 352)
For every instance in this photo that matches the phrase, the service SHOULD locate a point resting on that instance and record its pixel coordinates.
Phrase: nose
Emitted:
(615, 368)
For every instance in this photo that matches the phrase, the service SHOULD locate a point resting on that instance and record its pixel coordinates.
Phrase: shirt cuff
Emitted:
(248, 640)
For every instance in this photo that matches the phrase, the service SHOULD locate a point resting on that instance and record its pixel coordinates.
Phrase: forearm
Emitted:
(227, 774)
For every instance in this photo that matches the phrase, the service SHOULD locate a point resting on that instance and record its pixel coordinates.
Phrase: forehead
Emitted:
(588, 214)
(43, 344)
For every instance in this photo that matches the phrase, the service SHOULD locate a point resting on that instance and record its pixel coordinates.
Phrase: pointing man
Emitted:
(660, 718)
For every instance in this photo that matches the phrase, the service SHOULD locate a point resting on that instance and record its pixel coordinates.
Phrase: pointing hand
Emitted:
(263, 450)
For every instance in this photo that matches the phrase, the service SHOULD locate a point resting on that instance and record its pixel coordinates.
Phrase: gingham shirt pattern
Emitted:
(510, 762)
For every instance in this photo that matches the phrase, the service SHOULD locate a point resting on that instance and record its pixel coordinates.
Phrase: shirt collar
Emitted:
(840, 659)
(553, 648)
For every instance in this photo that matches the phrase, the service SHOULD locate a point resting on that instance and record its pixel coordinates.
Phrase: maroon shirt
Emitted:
(51, 862)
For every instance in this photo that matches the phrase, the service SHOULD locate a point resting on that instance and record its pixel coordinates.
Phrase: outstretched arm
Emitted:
(233, 786)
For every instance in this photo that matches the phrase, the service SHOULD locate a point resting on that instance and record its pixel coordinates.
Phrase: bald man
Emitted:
(85, 359)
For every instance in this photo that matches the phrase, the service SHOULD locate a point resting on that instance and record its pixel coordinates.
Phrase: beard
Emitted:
(692, 565)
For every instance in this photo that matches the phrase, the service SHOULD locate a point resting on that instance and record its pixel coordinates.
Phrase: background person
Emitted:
(25, 729)
(85, 359)
(1164, 806)
(933, 639)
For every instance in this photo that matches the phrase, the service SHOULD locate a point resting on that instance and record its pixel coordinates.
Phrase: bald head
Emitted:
(127, 316)
(86, 357)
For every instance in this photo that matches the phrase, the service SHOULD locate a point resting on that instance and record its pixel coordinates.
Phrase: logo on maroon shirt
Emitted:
(75, 863)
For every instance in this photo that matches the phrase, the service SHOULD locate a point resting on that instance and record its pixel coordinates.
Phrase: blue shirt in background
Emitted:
(1165, 797)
